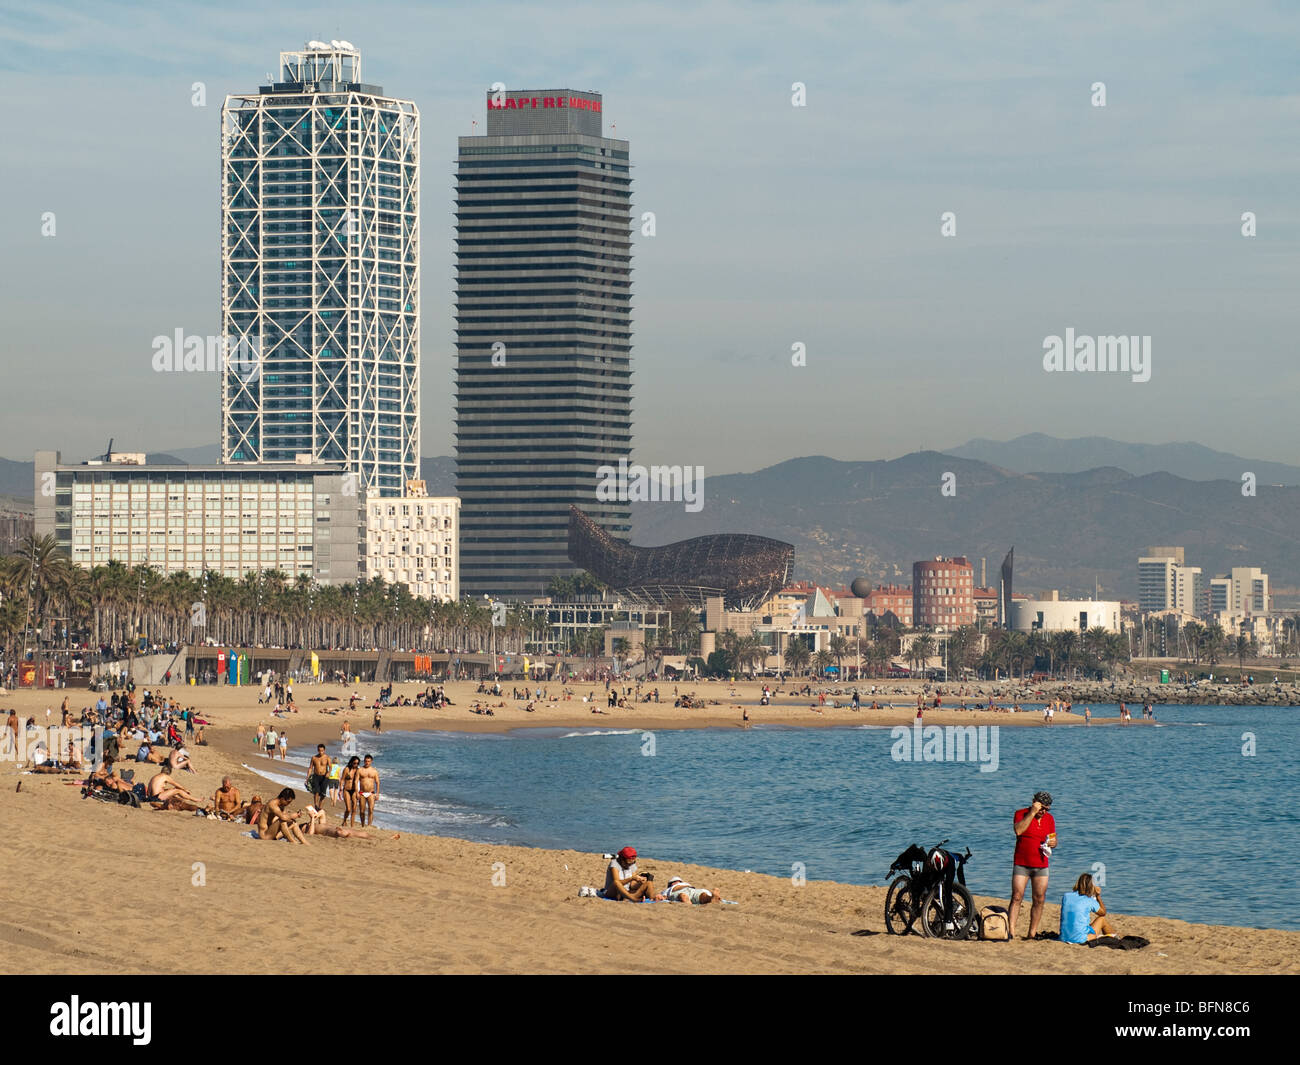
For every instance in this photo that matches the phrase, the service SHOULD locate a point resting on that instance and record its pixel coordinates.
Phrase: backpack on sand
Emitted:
(994, 924)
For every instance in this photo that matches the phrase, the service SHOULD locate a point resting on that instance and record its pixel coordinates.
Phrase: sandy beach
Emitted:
(94, 888)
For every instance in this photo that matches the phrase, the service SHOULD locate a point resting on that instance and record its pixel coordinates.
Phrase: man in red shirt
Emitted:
(1035, 838)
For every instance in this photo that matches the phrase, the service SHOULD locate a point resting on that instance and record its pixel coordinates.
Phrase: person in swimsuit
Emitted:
(348, 782)
(226, 800)
(163, 789)
(318, 780)
(275, 820)
(106, 776)
(367, 790)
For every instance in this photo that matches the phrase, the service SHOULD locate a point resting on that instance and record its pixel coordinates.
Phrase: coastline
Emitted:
(429, 903)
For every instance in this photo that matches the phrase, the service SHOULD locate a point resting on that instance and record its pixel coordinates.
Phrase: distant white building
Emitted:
(414, 539)
(1166, 582)
(1065, 615)
(1242, 591)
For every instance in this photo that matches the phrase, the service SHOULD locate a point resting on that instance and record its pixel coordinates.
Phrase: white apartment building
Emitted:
(230, 520)
(414, 539)
(1165, 582)
(1243, 591)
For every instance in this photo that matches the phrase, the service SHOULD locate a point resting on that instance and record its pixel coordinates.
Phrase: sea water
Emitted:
(1193, 817)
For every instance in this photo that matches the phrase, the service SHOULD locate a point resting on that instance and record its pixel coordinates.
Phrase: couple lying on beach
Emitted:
(275, 820)
(624, 884)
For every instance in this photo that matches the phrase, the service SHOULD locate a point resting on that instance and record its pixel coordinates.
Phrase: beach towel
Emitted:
(1120, 942)
(594, 893)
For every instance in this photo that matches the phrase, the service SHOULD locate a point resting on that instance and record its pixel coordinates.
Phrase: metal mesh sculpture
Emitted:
(745, 570)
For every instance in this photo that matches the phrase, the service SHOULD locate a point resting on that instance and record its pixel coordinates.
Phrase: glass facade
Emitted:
(543, 336)
(320, 272)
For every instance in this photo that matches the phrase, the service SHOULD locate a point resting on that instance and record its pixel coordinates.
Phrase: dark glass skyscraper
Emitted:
(544, 334)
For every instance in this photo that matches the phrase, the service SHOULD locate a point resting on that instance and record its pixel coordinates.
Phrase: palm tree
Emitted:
(921, 651)
(796, 655)
(839, 646)
(821, 660)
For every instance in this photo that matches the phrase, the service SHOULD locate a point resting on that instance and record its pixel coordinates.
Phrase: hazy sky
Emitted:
(776, 224)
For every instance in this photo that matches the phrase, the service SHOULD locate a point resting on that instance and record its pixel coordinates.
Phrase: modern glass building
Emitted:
(320, 271)
(543, 336)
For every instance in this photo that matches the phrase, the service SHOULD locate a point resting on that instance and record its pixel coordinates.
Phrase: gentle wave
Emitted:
(605, 732)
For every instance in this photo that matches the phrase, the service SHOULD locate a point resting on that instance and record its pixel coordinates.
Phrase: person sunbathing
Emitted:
(318, 826)
(226, 801)
(179, 759)
(105, 776)
(164, 790)
(276, 822)
(149, 753)
(680, 891)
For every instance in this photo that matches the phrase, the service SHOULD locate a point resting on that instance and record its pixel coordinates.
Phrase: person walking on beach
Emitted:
(367, 790)
(271, 741)
(348, 785)
(377, 725)
(318, 777)
(1035, 830)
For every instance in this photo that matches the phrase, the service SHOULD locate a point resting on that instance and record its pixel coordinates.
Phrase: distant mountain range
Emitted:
(1077, 511)
(1037, 453)
(873, 519)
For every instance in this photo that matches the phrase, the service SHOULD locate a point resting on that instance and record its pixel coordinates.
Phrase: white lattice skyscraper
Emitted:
(321, 271)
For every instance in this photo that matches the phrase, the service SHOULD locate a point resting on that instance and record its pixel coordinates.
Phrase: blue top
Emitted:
(1076, 910)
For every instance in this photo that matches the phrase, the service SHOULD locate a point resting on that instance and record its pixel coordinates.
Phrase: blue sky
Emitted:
(775, 225)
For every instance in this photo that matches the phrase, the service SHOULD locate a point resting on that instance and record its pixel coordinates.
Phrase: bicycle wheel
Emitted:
(900, 906)
(963, 914)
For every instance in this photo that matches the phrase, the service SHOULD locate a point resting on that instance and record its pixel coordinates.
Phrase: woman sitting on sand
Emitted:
(1083, 914)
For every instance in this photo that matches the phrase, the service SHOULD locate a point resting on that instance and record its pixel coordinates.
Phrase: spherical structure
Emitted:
(861, 587)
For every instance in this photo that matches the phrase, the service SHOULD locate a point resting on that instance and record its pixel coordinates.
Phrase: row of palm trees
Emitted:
(47, 603)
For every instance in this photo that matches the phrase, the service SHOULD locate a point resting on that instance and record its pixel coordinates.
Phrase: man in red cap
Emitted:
(623, 882)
